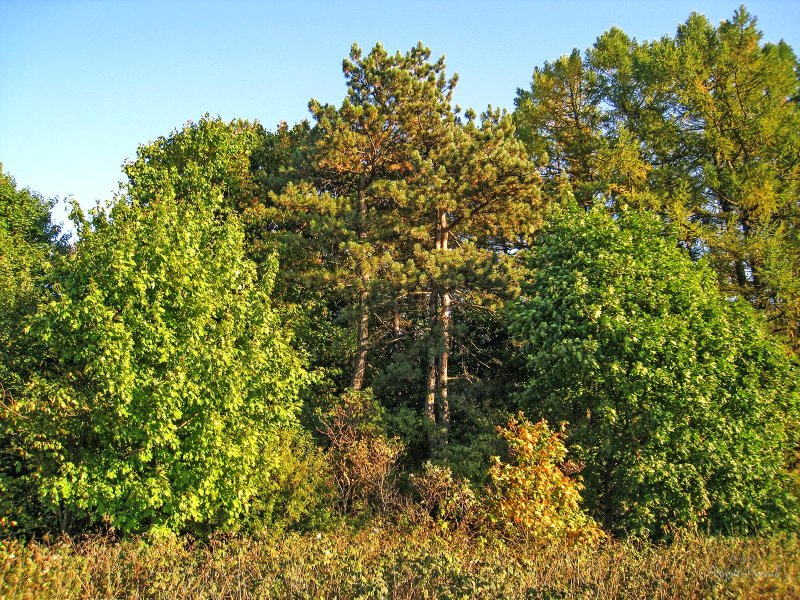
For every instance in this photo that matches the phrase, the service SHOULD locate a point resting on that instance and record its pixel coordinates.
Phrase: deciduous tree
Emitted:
(164, 376)
(681, 406)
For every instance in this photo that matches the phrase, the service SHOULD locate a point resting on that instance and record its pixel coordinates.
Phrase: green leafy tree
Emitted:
(165, 376)
(241, 167)
(683, 410)
(701, 127)
(199, 162)
(29, 241)
(28, 238)
(714, 115)
(283, 157)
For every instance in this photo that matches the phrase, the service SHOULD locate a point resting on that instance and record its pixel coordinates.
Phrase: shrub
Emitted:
(363, 459)
(296, 491)
(444, 496)
(531, 496)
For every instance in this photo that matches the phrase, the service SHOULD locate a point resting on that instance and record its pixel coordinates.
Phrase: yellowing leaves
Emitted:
(530, 497)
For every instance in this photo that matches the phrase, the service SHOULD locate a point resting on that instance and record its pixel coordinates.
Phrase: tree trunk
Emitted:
(430, 392)
(363, 335)
(444, 324)
(433, 382)
(444, 356)
(360, 367)
(396, 320)
(741, 274)
(437, 406)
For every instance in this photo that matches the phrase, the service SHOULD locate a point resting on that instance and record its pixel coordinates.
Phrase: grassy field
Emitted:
(382, 560)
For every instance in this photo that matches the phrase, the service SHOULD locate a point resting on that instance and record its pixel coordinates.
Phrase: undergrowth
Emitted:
(379, 559)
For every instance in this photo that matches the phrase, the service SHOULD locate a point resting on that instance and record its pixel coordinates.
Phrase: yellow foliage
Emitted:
(532, 497)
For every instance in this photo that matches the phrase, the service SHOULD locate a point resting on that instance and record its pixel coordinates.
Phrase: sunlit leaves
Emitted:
(681, 407)
(700, 127)
(532, 496)
(165, 375)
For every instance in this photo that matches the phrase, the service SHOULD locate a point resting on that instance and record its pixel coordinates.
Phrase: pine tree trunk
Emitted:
(444, 356)
(437, 406)
(361, 353)
(432, 386)
(430, 392)
(396, 320)
(360, 366)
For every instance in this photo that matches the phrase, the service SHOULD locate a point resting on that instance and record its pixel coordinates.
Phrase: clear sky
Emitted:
(84, 83)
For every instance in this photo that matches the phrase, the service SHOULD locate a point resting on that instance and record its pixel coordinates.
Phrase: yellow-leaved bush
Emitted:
(532, 497)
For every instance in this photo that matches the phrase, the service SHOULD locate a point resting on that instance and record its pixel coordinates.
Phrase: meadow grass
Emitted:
(385, 560)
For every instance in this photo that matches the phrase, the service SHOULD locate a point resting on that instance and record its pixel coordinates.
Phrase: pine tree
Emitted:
(419, 181)
(397, 110)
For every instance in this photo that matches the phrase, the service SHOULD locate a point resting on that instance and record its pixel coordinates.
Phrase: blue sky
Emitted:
(84, 83)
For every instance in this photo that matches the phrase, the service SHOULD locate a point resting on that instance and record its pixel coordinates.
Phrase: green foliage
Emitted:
(25, 217)
(164, 374)
(531, 497)
(238, 166)
(28, 242)
(559, 120)
(199, 162)
(742, 142)
(410, 181)
(298, 491)
(701, 127)
(683, 410)
(308, 230)
(282, 158)
(473, 441)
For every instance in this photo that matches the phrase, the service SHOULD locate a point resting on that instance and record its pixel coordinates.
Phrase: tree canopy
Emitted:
(680, 405)
(701, 127)
(259, 315)
(163, 373)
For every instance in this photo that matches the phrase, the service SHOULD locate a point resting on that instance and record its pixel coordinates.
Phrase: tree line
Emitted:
(365, 297)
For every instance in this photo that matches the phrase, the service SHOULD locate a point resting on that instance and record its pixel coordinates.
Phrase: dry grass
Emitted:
(387, 561)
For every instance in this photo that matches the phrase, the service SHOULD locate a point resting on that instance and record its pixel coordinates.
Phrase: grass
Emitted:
(384, 560)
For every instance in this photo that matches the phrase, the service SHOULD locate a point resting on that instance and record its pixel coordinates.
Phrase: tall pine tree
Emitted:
(418, 181)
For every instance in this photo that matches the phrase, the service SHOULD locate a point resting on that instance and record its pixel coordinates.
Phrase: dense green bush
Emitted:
(164, 377)
(681, 408)
(298, 493)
